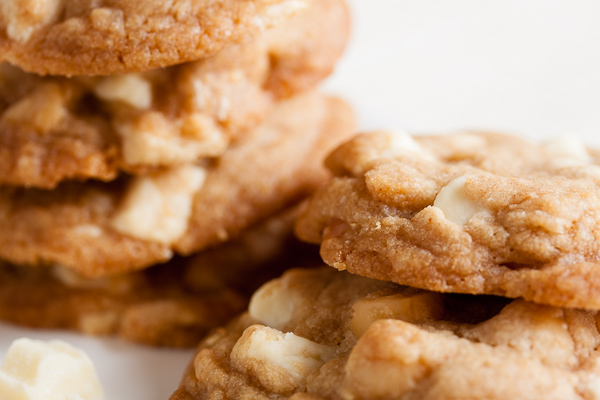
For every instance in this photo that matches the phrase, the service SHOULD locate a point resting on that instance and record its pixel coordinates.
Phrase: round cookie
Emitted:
(100, 229)
(53, 129)
(324, 334)
(90, 37)
(173, 304)
(476, 213)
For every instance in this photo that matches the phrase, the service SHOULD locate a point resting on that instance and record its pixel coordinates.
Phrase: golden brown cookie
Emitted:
(106, 228)
(90, 37)
(470, 213)
(324, 334)
(172, 304)
(52, 129)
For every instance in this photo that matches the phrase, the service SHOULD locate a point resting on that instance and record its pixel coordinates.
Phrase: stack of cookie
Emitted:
(496, 243)
(135, 131)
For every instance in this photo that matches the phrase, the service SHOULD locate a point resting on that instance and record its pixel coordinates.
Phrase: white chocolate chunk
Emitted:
(410, 308)
(43, 109)
(88, 230)
(99, 323)
(68, 277)
(157, 207)
(24, 17)
(568, 147)
(155, 140)
(265, 352)
(129, 88)
(278, 10)
(402, 144)
(591, 388)
(286, 8)
(54, 370)
(455, 204)
(272, 304)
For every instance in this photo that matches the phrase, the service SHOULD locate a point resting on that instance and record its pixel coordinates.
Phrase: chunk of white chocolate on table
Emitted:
(54, 370)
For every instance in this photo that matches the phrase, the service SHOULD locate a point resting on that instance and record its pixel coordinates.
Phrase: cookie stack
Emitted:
(468, 269)
(135, 131)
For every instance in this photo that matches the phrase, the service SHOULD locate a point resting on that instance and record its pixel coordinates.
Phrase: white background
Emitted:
(530, 67)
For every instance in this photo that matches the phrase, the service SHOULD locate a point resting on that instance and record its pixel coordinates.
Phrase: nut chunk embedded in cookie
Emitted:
(477, 213)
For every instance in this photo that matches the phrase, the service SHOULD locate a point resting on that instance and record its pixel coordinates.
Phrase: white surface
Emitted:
(528, 67)
(126, 371)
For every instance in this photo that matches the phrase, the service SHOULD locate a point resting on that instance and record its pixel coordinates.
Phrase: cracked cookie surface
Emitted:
(348, 337)
(54, 129)
(471, 213)
(91, 37)
(100, 229)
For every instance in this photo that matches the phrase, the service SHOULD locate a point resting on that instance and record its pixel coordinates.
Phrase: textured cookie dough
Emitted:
(52, 129)
(173, 304)
(91, 37)
(80, 226)
(470, 213)
(349, 337)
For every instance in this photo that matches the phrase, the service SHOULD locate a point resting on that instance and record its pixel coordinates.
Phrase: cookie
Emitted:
(477, 213)
(99, 229)
(172, 304)
(325, 334)
(89, 37)
(53, 129)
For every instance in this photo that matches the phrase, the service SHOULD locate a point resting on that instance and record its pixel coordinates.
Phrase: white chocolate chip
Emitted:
(277, 11)
(402, 144)
(116, 283)
(108, 19)
(99, 323)
(43, 109)
(88, 230)
(24, 17)
(157, 207)
(155, 140)
(265, 352)
(568, 150)
(131, 89)
(272, 304)
(410, 308)
(455, 204)
(286, 8)
(54, 370)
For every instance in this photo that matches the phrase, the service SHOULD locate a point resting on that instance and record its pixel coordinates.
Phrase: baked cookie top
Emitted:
(53, 129)
(470, 213)
(173, 304)
(91, 37)
(325, 334)
(106, 228)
